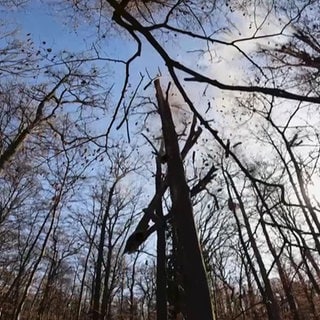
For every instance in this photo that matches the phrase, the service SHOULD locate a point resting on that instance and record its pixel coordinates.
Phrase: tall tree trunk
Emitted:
(198, 301)
(96, 298)
(93, 227)
(283, 278)
(161, 291)
(268, 296)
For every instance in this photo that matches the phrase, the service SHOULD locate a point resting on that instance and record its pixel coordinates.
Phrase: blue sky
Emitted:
(48, 24)
(44, 25)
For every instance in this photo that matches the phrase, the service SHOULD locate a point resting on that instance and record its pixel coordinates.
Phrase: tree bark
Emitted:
(161, 291)
(198, 301)
(96, 297)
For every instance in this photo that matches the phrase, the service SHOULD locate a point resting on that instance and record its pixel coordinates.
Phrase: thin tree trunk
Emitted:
(269, 299)
(95, 308)
(161, 291)
(78, 307)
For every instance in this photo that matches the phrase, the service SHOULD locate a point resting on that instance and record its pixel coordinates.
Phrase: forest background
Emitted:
(159, 159)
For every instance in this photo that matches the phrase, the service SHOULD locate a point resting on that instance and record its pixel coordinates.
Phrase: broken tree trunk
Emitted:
(198, 301)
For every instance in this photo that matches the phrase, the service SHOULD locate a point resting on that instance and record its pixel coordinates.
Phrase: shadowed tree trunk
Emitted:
(161, 253)
(198, 301)
(267, 293)
(95, 308)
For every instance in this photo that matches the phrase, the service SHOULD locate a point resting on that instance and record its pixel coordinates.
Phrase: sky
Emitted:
(50, 24)
(38, 19)
(47, 23)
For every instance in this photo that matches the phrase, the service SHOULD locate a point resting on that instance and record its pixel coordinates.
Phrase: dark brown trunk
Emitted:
(96, 299)
(269, 299)
(198, 301)
(161, 293)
